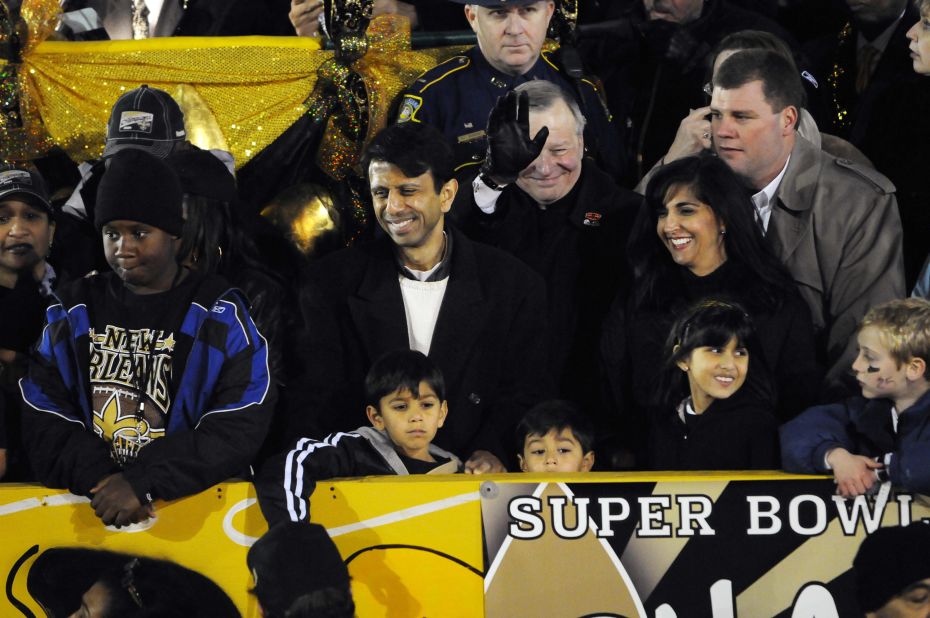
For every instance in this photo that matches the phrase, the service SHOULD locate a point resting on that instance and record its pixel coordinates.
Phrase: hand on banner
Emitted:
(854, 474)
(116, 504)
(483, 462)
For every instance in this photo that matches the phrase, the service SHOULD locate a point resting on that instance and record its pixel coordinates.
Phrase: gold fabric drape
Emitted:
(254, 87)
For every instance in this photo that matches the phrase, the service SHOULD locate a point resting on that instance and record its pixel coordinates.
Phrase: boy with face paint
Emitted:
(150, 382)
(885, 433)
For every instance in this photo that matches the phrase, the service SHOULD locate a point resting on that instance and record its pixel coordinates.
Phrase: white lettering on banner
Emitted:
(860, 511)
(765, 520)
(721, 599)
(693, 514)
(557, 504)
(807, 515)
(904, 509)
(757, 515)
(649, 516)
(608, 518)
(524, 510)
(814, 601)
(820, 511)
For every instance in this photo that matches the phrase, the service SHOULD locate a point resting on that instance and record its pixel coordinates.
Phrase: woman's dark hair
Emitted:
(61, 575)
(708, 323)
(713, 183)
(149, 588)
(214, 240)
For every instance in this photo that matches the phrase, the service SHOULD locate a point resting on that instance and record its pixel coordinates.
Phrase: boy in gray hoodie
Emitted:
(406, 404)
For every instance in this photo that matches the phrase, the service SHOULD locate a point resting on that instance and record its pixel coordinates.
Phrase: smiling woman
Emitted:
(695, 237)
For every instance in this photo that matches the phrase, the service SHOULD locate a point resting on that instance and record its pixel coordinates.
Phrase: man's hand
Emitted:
(396, 7)
(692, 137)
(483, 462)
(116, 504)
(854, 474)
(510, 148)
(305, 16)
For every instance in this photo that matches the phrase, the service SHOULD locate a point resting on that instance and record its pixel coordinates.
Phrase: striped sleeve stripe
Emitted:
(294, 472)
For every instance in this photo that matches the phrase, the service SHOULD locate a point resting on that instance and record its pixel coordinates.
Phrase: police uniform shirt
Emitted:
(458, 95)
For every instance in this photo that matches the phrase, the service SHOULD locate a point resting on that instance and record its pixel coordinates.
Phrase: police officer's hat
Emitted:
(495, 3)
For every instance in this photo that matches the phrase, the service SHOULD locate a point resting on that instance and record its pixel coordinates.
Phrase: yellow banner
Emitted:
(413, 547)
(716, 544)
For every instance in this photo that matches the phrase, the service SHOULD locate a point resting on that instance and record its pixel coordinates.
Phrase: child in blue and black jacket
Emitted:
(149, 382)
(885, 433)
(406, 396)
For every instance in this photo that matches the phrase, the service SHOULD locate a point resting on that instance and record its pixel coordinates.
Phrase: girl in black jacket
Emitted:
(704, 419)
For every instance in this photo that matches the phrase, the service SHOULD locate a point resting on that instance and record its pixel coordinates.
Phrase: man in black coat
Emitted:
(654, 70)
(472, 309)
(561, 215)
(860, 61)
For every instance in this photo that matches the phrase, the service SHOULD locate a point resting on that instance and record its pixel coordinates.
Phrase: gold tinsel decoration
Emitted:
(255, 87)
(835, 80)
(22, 134)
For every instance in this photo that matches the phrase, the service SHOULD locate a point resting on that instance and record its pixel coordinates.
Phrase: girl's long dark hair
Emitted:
(708, 323)
(656, 275)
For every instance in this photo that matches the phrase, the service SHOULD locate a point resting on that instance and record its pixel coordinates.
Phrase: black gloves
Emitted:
(510, 149)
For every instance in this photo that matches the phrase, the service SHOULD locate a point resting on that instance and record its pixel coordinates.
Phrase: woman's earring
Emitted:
(723, 231)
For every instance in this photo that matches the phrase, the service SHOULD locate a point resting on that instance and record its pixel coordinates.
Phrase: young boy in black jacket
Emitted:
(406, 397)
(149, 382)
(884, 435)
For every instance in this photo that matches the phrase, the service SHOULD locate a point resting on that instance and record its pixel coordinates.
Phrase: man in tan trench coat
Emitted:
(834, 223)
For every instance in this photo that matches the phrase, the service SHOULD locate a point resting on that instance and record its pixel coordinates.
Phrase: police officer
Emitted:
(457, 95)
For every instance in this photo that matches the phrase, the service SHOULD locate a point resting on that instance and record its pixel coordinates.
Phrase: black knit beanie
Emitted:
(889, 560)
(137, 186)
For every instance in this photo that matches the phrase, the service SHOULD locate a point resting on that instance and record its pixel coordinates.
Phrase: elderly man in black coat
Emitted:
(541, 200)
(472, 309)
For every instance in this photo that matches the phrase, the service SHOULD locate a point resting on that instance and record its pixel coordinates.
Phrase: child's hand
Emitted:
(854, 474)
(483, 462)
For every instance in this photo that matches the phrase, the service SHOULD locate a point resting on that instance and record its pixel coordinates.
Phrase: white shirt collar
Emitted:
(763, 199)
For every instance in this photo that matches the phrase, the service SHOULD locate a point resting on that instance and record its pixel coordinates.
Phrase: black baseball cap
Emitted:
(145, 118)
(26, 184)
